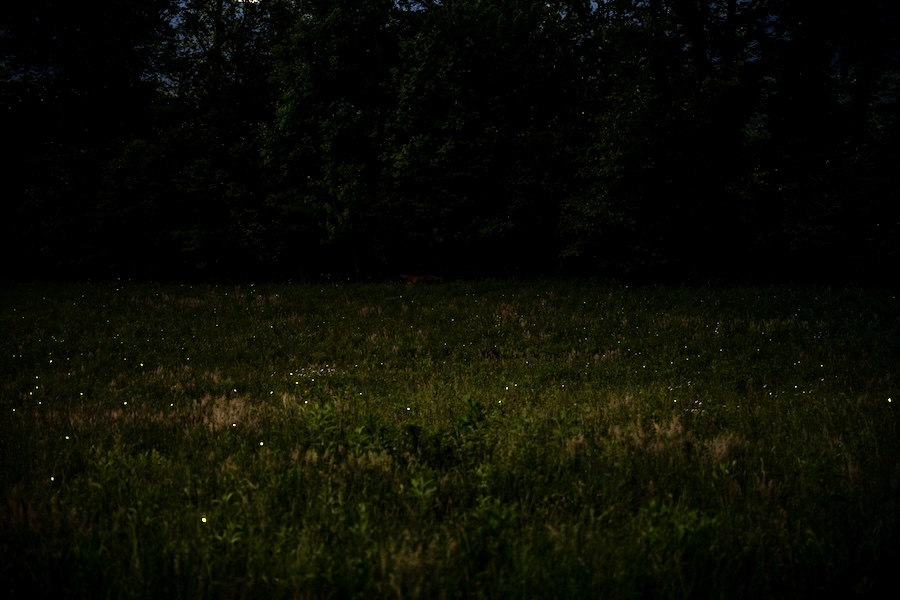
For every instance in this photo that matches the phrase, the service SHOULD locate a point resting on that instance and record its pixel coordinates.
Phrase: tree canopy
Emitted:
(182, 139)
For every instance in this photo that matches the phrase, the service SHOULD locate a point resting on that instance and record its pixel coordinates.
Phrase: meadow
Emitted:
(531, 439)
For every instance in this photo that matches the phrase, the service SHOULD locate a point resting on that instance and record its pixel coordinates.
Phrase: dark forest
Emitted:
(294, 140)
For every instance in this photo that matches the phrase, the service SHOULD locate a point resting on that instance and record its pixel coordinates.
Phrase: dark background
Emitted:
(292, 140)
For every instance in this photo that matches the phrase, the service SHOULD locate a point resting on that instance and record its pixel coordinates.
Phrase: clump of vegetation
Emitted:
(550, 439)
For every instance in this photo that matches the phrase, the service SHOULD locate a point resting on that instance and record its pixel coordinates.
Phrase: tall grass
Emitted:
(543, 439)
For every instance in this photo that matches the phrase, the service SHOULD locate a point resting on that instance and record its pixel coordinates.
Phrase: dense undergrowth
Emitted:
(492, 439)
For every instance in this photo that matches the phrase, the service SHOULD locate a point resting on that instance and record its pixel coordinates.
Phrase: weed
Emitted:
(494, 439)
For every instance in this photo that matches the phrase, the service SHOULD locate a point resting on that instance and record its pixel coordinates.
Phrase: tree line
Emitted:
(184, 139)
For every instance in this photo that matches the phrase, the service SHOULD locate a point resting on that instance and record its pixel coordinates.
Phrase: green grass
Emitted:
(546, 439)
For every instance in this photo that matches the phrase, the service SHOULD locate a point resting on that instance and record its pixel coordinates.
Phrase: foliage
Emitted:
(560, 438)
(303, 138)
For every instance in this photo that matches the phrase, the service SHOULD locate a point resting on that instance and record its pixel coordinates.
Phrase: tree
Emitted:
(322, 147)
(665, 106)
(313, 136)
(475, 148)
(191, 192)
(68, 73)
(823, 134)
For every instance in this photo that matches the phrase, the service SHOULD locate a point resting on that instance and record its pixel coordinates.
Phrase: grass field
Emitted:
(460, 440)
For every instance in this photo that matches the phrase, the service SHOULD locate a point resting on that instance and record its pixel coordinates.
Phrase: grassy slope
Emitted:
(550, 439)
